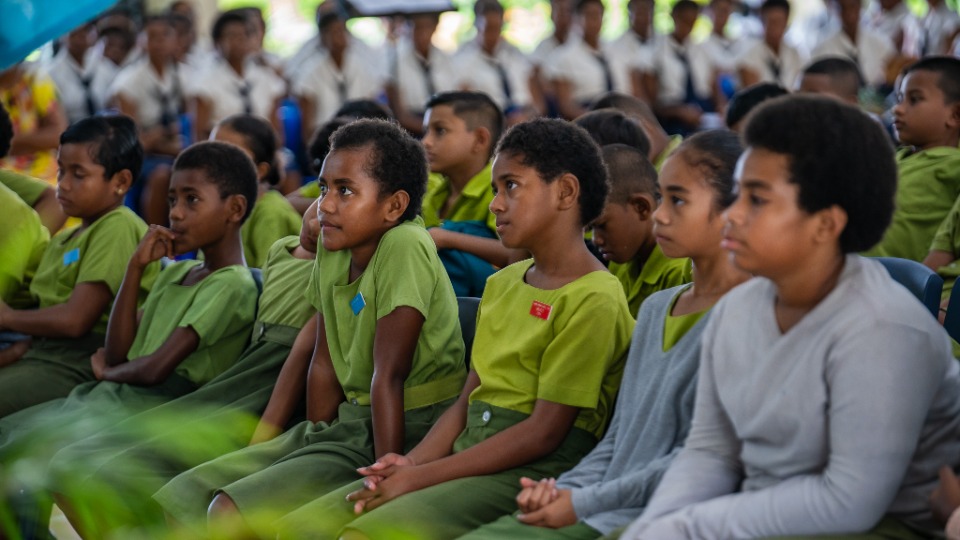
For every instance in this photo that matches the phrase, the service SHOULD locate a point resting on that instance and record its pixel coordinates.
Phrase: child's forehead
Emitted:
(348, 164)
(445, 113)
(922, 78)
(84, 153)
(193, 179)
(512, 163)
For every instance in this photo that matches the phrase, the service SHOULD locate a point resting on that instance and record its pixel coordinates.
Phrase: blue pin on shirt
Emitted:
(357, 303)
(71, 256)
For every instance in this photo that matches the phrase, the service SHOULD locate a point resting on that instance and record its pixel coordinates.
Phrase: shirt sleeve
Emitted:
(405, 273)
(946, 237)
(108, 249)
(222, 307)
(872, 440)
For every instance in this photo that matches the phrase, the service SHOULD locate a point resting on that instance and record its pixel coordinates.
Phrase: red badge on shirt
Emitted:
(540, 310)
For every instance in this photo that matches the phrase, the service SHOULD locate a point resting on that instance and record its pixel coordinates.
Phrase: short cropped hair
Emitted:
(948, 67)
(234, 16)
(326, 19)
(224, 165)
(114, 140)
(160, 18)
(630, 172)
(482, 7)
(476, 109)
(715, 154)
(747, 99)
(775, 4)
(6, 132)
(843, 73)
(554, 147)
(395, 159)
(319, 145)
(610, 126)
(837, 156)
(584, 3)
(260, 139)
(684, 5)
(364, 108)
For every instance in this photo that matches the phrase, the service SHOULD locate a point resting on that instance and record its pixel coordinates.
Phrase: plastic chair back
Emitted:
(467, 307)
(924, 283)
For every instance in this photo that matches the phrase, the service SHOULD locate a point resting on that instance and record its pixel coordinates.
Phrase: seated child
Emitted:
(552, 333)
(273, 217)
(389, 353)
(610, 486)
(835, 77)
(927, 122)
(624, 231)
(194, 323)
(460, 131)
(820, 446)
(661, 144)
(610, 126)
(81, 268)
(747, 99)
(120, 468)
(35, 192)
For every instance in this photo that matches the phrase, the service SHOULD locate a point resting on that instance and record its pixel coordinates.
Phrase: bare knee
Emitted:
(222, 506)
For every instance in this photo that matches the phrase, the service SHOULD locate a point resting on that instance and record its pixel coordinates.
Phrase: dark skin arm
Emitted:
(533, 438)
(154, 368)
(408, 121)
(50, 212)
(324, 393)
(201, 110)
(72, 319)
(290, 387)
(936, 259)
(393, 349)
(45, 137)
(563, 90)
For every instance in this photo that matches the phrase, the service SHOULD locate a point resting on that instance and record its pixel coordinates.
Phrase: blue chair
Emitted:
(951, 322)
(467, 307)
(924, 283)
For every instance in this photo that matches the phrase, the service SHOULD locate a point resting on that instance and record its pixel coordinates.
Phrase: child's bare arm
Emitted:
(324, 393)
(72, 319)
(438, 442)
(154, 368)
(291, 384)
(488, 249)
(936, 259)
(393, 349)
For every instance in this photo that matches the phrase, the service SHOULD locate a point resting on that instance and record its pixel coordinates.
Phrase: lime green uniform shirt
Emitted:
(677, 326)
(929, 183)
(310, 190)
(405, 270)
(220, 309)
(473, 204)
(98, 253)
(284, 276)
(22, 241)
(566, 345)
(272, 218)
(657, 273)
(26, 187)
(675, 141)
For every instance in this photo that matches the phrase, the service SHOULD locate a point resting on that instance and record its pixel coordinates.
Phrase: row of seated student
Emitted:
(338, 403)
(99, 66)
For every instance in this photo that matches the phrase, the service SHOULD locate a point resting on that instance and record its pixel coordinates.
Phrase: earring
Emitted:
(119, 192)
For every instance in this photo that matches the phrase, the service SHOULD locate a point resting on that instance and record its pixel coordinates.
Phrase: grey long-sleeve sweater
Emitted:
(612, 484)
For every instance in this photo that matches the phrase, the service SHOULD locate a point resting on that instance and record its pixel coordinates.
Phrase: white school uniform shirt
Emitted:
(722, 51)
(899, 20)
(871, 52)
(70, 78)
(152, 94)
(544, 49)
(760, 58)
(477, 71)
(419, 78)
(583, 67)
(672, 73)
(936, 27)
(321, 81)
(218, 83)
(631, 53)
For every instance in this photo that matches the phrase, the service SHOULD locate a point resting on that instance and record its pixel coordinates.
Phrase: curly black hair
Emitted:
(114, 142)
(226, 166)
(837, 156)
(610, 126)
(396, 160)
(6, 132)
(715, 154)
(260, 139)
(555, 147)
(747, 99)
(234, 16)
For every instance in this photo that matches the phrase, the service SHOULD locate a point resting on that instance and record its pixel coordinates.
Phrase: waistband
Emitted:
(421, 395)
(277, 333)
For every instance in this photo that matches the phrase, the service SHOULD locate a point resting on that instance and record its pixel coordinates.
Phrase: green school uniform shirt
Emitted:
(272, 218)
(99, 253)
(26, 187)
(310, 190)
(405, 270)
(220, 309)
(566, 345)
(284, 275)
(929, 183)
(657, 273)
(22, 241)
(677, 326)
(675, 141)
(473, 204)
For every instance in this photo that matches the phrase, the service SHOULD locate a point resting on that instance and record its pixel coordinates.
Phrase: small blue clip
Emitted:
(357, 303)
(71, 256)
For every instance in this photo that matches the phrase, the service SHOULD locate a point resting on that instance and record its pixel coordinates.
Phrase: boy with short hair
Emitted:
(835, 77)
(624, 231)
(661, 144)
(460, 131)
(927, 123)
(747, 99)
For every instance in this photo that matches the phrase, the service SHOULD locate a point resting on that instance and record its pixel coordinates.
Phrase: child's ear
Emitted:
(122, 180)
(643, 204)
(482, 140)
(568, 190)
(397, 204)
(830, 224)
(236, 208)
(262, 169)
(953, 121)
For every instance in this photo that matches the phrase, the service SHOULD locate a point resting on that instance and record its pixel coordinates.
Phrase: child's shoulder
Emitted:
(600, 286)
(119, 219)
(940, 154)
(281, 249)
(407, 234)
